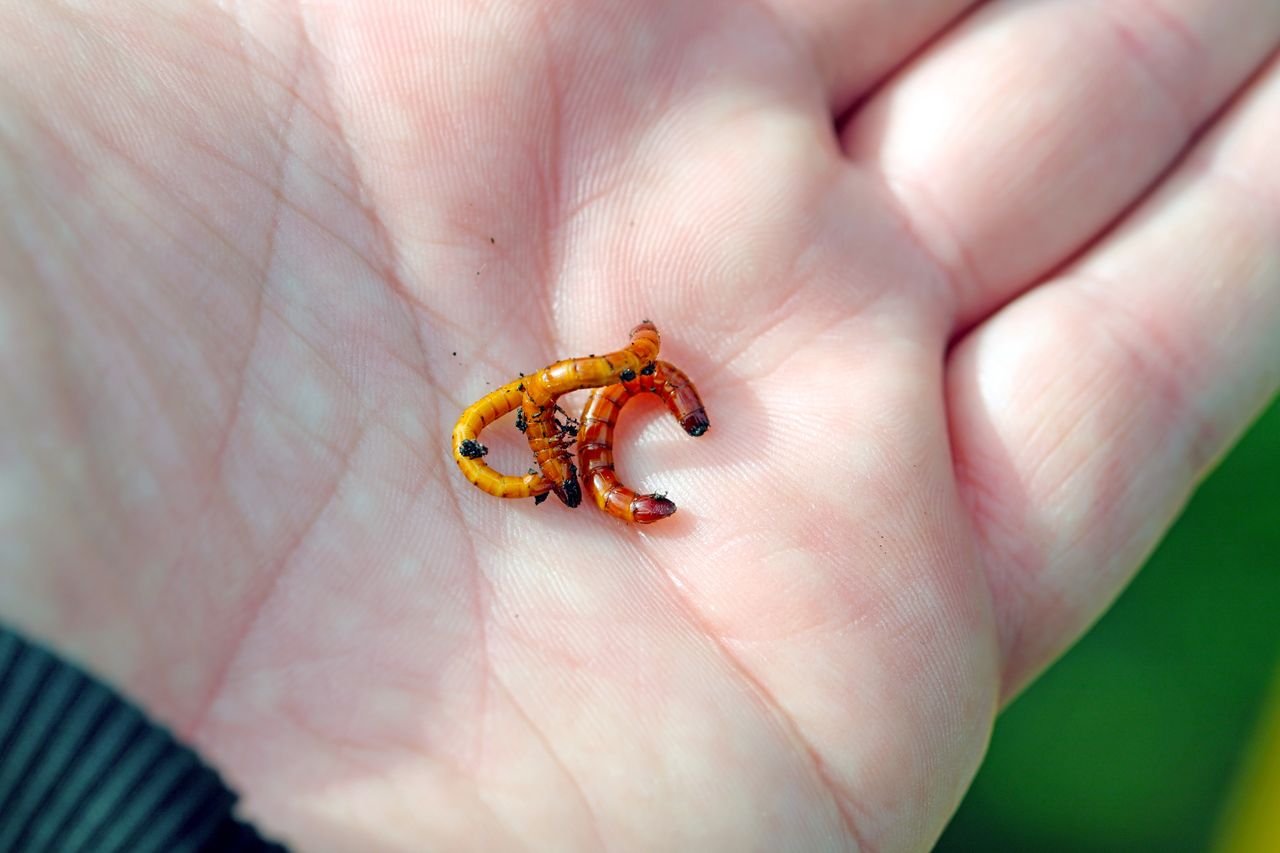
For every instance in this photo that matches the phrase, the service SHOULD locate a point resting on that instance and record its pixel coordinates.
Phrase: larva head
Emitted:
(646, 509)
(695, 423)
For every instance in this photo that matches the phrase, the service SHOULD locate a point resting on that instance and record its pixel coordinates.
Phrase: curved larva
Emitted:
(468, 451)
(548, 439)
(595, 441)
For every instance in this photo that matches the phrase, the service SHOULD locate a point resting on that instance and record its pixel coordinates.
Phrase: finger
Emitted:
(1028, 130)
(1084, 412)
(855, 44)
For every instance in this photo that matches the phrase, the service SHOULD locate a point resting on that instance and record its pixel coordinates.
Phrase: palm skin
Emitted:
(256, 261)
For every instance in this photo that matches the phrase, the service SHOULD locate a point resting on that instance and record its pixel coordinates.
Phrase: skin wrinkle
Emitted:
(363, 754)
(546, 259)
(485, 664)
(245, 37)
(772, 318)
(182, 60)
(822, 77)
(157, 183)
(1133, 49)
(843, 803)
(317, 439)
(83, 17)
(412, 492)
(552, 260)
(958, 18)
(282, 134)
(607, 189)
(78, 397)
(357, 749)
(237, 394)
(844, 95)
(51, 142)
(282, 202)
(391, 270)
(967, 283)
(989, 518)
(218, 460)
(121, 196)
(1155, 356)
(154, 180)
(592, 818)
(769, 322)
(450, 485)
(1051, 603)
(1048, 452)
(275, 569)
(136, 208)
(958, 279)
(997, 541)
(457, 403)
(53, 358)
(319, 354)
(482, 598)
(834, 321)
(419, 369)
(1156, 9)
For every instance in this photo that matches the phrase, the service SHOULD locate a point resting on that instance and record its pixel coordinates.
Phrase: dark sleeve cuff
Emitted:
(82, 769)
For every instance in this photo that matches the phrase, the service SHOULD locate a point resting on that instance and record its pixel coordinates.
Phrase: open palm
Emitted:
(965, 349)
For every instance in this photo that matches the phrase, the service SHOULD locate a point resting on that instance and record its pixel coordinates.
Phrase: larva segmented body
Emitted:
(548, 439)
(595, 442)
(467, 449)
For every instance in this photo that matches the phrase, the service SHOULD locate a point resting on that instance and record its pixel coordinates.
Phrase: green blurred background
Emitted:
(1134, 740)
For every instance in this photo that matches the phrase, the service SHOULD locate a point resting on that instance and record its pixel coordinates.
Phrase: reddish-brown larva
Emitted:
(548, 439)
(595, 440)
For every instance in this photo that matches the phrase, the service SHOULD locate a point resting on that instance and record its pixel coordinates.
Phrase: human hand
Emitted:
(964, 357)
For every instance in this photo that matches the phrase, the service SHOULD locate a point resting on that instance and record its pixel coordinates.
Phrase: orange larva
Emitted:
(468, 451)
(548, 439)
(595, 442)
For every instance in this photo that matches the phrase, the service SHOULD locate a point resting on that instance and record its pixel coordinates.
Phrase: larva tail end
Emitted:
(695, 423)
(570, 492)
(646, 509)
